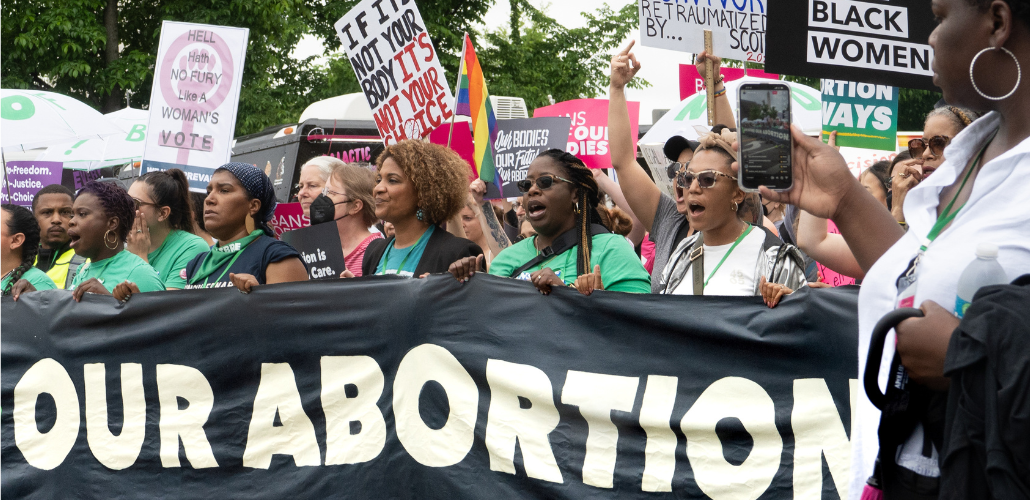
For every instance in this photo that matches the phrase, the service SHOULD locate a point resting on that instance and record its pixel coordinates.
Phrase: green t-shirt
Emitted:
(124, 266)
(621, 270)
(38, 278)
(170, 259)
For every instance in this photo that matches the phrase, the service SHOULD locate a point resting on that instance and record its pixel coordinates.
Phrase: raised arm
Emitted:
(827, 249)
(492, 230)
(723, 113)
(641, 193)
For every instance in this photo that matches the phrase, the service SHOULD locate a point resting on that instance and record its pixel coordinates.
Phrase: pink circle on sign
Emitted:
(176, 51)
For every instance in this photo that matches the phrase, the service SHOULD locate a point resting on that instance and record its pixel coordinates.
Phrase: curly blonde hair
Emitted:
(440, 176)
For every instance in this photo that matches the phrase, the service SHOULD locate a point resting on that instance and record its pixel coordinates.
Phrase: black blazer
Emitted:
(441, 251)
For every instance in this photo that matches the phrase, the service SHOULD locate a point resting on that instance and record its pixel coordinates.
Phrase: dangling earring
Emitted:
(113, 244)
(420, 215)
(1019, 74)
(577, 207)
(735, 206)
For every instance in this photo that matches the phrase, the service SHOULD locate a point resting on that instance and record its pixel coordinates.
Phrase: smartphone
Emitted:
(763, 129)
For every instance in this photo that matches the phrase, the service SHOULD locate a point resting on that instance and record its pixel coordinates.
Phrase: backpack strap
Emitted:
(560, 245)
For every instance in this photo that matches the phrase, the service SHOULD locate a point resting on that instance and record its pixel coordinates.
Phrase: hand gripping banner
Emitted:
(426, 388)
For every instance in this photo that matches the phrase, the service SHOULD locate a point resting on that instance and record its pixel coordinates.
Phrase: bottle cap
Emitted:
(987, 251)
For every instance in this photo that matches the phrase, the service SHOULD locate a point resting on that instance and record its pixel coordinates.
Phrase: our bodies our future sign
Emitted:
(397, 67)
(194, 99)
(876, 41)
(281, 393)
(519, 141)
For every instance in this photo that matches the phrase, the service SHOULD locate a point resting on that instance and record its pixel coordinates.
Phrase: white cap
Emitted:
(987, 251)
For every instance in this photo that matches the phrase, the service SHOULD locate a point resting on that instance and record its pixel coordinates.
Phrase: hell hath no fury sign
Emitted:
(194, 99)
(398, 68)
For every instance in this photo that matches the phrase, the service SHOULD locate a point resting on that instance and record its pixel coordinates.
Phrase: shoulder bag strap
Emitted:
(697, 264)
(560, 245)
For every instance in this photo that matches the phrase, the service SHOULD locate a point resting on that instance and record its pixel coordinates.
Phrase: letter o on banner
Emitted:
(748, 402)
(449, 444)
(45, 450)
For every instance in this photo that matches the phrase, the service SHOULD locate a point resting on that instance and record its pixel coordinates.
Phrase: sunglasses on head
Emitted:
(705, 178)
(937, 143)
(543, 182)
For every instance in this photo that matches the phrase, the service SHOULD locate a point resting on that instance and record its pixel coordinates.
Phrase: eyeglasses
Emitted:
(543, 182)
(140, 203)
(326, 191)
(937, 143)
(705, 178)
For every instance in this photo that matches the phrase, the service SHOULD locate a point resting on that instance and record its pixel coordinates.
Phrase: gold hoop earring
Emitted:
(735, 206)
(114, 243)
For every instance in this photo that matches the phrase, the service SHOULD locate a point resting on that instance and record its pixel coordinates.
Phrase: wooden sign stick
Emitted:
(710, 78)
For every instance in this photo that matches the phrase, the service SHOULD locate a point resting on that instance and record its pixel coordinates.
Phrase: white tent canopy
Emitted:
(117, 149)
(34, 118)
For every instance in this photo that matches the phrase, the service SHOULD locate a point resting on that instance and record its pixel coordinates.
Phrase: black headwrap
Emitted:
(259, 186)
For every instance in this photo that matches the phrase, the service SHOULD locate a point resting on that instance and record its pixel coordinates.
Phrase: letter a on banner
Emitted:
(397, 67)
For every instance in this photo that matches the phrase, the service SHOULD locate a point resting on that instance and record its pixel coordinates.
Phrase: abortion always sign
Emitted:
(738, 27)
(398, 68)
(194, 98)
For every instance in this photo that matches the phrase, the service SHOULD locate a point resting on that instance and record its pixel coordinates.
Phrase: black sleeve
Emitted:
(191, 267)
(277, 251)
(373, 252)
(443, 249)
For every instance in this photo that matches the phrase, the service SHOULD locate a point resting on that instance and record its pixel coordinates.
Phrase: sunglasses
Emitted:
(705, 178)
(543, 182)
(937, 143)
(140, 203)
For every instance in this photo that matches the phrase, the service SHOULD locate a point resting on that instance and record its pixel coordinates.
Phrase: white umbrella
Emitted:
(118, 149)
(33, 118)
(691, 113)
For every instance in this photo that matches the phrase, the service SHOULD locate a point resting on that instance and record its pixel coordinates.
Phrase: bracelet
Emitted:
(719, 79)
(720, 93)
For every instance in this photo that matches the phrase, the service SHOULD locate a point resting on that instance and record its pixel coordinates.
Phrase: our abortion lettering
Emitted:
(397, 67)
(520, 416)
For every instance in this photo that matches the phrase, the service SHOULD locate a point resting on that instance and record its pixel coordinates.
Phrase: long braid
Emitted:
(588, 199)
(22, 221)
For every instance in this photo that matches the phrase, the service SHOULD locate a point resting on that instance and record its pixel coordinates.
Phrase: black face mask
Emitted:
(324, 210)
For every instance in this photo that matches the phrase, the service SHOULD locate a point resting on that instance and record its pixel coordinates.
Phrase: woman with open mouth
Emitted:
(573, 244)
(419, 187)
(727, 256)
(102, 217)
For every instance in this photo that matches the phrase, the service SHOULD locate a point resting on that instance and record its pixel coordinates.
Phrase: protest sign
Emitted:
(461, 142)
(884, 42)
(860, 159)
(588, 132)
(398, 68)
(320, 248)
(863, 115)
(389, 388)
(24, 178)
(827, 275)
(194, 98)
(657, 163)
(288, 217)
(691, 82)
(518, 143)
(738, 30)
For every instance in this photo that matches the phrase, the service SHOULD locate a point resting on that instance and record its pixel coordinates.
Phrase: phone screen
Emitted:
(765, 136)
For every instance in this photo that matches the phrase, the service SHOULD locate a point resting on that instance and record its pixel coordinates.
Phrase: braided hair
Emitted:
(21, 220)
(587, 201)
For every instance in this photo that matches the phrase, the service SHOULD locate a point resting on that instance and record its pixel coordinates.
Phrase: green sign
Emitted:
(863, 115)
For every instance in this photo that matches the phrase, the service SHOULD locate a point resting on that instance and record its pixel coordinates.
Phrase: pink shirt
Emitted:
(353, 259)
(647, 249)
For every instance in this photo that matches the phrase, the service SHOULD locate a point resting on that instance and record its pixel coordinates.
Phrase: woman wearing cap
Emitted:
(242, 258)
(662, 216)
(727, 256)
(419, 186)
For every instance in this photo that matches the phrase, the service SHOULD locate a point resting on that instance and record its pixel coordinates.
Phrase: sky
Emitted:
(658, 66)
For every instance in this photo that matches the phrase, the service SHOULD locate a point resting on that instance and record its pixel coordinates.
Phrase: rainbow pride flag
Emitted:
(473, 101)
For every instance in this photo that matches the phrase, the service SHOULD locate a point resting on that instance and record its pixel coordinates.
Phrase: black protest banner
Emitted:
(518, 143)
(319, 246)
(875, 41)
(398, 388)
(398, 68)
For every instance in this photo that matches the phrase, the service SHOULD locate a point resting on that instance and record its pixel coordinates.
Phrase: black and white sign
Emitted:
(874, 41)
(320, 247)
(738, 27)
(518, 143)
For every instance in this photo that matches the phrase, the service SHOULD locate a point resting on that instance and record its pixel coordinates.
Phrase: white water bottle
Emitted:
(983, 271)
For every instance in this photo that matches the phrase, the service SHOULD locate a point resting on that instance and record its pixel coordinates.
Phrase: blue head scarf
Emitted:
(259, 186)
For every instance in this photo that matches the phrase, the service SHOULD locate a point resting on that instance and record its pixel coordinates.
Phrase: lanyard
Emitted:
(227, 267)
(948, 215)
(411, 250)
(724, 257)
